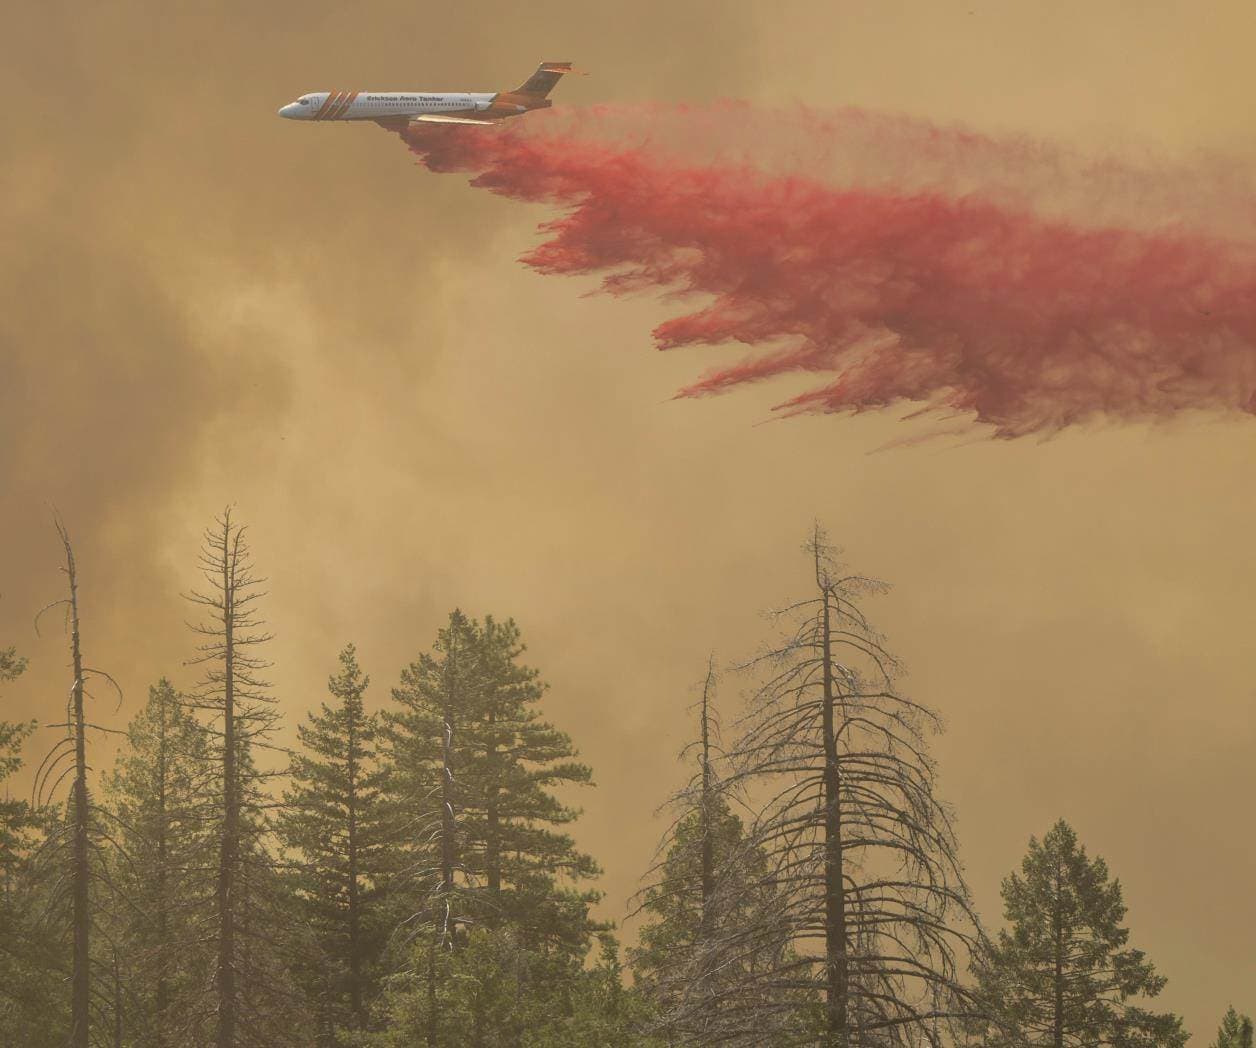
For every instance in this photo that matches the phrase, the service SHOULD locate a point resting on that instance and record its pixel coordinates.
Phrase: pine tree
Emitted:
(438, 696)
(471, 767)
(333, 820)
(1062, 975)
(530, 869)
(472, 761)
(157, 795)
(712, 936)
(494, 991)
(708, 968)
(1235, 1031)
(605, 1012)
(16, 817)
(35, 955)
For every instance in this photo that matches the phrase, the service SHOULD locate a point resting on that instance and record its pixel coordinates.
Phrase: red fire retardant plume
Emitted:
(898, 263)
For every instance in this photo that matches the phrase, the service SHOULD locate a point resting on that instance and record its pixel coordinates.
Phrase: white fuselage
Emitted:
(374, 105)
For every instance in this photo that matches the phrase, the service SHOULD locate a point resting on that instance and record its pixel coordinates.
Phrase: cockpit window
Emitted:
(304, 101)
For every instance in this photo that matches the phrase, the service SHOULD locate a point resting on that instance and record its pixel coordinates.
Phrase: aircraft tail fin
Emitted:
(542, 82)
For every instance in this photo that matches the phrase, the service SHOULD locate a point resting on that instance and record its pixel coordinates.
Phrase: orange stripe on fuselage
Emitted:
(344, 105)
(327, 103)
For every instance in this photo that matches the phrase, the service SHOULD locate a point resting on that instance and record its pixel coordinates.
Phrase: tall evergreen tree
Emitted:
(1062, 975)
(35, 953)
(157, 795)
(470, 754)
(1235, 1031)
(530, 868)
(437, 694)
(333, 820)
(471, 770)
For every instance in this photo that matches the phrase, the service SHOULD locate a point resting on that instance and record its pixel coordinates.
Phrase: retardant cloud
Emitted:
(898, 263)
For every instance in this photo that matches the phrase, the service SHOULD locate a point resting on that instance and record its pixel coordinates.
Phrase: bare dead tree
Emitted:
(861, 850)
(707, 799)
(241, 718)
(67, 758)
(80, 994)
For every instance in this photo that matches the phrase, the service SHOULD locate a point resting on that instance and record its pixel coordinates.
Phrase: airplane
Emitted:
(396, 110)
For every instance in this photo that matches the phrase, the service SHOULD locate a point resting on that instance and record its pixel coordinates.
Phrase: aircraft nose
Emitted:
(290, 110)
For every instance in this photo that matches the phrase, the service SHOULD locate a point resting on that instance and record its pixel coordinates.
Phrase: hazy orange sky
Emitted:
(201, 304)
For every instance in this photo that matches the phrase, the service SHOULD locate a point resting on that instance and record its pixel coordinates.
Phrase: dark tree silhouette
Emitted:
(69, 849)
(252, 1000)
(859, 845)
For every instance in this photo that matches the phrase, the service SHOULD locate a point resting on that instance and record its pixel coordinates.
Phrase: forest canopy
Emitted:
(409, 873)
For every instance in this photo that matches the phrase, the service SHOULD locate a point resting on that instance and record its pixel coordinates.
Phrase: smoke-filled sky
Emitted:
(201, 304)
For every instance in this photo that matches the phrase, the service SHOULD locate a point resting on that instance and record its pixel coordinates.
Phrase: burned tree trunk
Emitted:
(706, 809)
(230, 843)
(242, 718)
(492, 812)
(80, 992)
(74, 846)
(837, 979)
(860, 847)
(353, 873)
(448, 827)
(162, 996)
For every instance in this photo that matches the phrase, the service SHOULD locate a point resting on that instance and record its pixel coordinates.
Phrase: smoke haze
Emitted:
(203, 304)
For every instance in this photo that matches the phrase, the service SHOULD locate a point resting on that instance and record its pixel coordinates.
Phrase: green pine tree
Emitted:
(708, 960)
(333, 821)
(438, 696)
(1235, 1031)
(530, 869)
(1063, 975)
(16, 817)
(156, 796)
(496, 991)
(472, 770)
(712, 934)
(602, 1011)
(34, 954)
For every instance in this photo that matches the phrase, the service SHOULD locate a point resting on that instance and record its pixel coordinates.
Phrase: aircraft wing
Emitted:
(437, 118)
